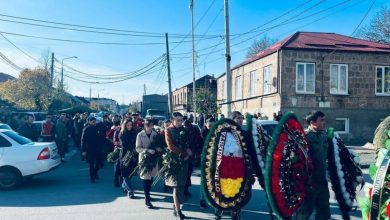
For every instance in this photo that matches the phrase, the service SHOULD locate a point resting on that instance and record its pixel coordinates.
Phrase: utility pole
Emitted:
(228, 58)
(193, 59)
(144, 89)
(52, 70)
(90, 95)
(169, 77)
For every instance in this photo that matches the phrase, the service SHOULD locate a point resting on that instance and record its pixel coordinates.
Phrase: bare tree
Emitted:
(379, 28)
(46, 59)
(260, 45)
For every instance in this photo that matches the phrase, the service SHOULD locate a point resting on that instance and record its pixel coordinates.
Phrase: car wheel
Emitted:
(10, 178)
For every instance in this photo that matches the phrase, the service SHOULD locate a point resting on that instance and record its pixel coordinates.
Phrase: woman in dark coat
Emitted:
(128, 158)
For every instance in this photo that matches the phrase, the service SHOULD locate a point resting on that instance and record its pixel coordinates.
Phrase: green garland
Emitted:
(171, 164)
(114, 155)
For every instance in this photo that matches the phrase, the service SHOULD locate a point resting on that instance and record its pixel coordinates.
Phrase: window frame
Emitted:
(304, 78)
(346, 125)
(253, 83)
(383, 81)
(267, 85)
(338, 79)
(238, 87)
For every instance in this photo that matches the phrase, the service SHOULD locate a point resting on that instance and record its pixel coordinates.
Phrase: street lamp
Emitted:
(62, 71)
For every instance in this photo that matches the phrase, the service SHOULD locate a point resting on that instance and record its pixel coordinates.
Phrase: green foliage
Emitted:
(364, 204)
(372, 171)
(206, 102)
(387, 144)
(31, 91)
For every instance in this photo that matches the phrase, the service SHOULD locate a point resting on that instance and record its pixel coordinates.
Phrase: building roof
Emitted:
(320, 41)
(196, 81)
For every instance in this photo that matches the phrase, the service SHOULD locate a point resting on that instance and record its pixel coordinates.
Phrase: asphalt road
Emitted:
(66, 193)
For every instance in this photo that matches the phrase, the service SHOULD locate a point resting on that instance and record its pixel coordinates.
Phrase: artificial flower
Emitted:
(230, 187)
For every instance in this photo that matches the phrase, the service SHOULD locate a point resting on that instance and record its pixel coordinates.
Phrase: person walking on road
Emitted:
(177, 141)
(91, 148)
(318, 195)
(128, 158)
(48, 130)
(61, 136)
(144, 147)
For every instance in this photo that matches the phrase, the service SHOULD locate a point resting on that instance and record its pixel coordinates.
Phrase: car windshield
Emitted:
(19, 139)
(269, 128)
(5, 126)
(155, 112)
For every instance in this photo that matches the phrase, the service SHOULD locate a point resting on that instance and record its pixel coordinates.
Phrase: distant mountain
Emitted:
(4, 77)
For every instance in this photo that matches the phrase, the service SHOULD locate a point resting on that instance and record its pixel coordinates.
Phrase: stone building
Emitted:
(346, 78)
(182, 97)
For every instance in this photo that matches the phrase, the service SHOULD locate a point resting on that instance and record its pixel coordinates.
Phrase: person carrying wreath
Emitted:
(318, 196)
(176, 137)
(128, 158)
(147, 159)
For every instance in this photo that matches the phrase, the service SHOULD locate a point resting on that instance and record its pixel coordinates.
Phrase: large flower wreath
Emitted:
(376, 203)
(288, 167)
(344, 172)
(226, 181)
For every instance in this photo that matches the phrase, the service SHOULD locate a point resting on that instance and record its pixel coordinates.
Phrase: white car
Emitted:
(5, 126)
(21, 158)
(268, 126)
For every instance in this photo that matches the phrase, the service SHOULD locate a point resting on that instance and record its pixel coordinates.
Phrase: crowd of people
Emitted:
(138, 146)
(141, 148)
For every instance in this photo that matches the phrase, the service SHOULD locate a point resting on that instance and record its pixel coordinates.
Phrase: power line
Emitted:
(321, 18)
(143, 71)
(146, 72)
(9, 62)
(92, 27)
(89, 42)
(25, 53)
(110, 76)
(196, 25)
(96, 32)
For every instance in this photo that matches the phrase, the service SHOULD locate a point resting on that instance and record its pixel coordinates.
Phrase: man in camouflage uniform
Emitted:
(318, 195)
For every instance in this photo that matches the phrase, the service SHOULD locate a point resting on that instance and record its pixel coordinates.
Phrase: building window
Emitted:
(224, 90)
(382, 85)
(339, 79)
(267, 79)
(341, 126)
(305, 79)
(238, 87)
(253, 83)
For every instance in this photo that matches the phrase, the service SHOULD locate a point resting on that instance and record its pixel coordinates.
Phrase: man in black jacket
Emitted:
(29, 130)
(91, 147)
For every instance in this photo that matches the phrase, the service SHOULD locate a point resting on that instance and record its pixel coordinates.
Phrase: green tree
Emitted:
(206, 101)
(379, 28)
(260, 45)
(31, 91)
